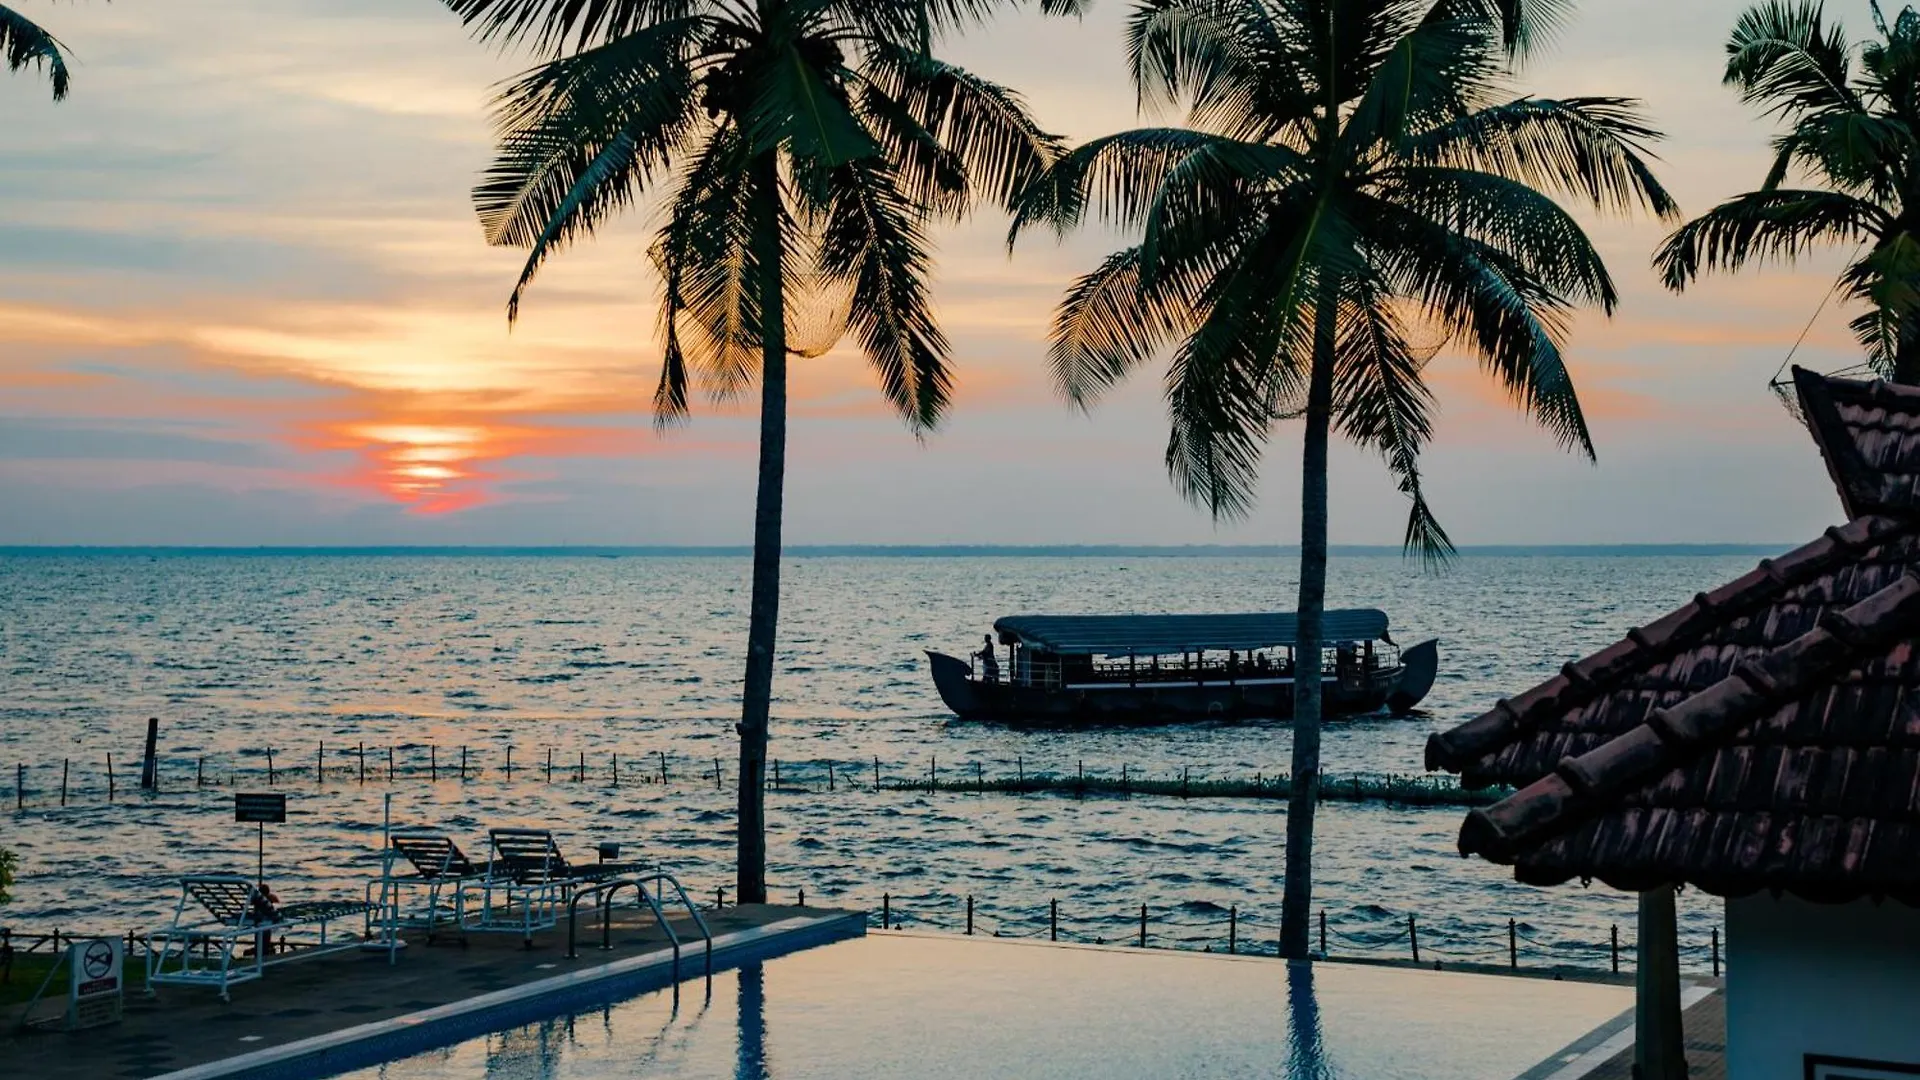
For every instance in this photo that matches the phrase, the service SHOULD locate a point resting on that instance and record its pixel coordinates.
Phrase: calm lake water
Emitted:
(641, 657)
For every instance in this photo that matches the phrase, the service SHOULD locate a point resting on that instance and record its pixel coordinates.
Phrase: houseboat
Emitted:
(1070, 670)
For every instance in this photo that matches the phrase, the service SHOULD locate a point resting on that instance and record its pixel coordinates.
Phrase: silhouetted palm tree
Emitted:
(1856, 135)
(1351, 178)
(800, 149)
(25, 44)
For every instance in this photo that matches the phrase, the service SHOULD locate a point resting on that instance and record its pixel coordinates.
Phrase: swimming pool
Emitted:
(908, 1005)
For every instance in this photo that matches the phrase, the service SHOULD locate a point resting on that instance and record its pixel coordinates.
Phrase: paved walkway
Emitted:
(1705, 1029)
(188, 1026)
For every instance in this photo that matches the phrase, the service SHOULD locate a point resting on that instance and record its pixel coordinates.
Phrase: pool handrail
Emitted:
(605, 890)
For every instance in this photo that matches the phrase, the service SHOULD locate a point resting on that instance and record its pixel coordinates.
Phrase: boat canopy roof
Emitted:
(1151, 635)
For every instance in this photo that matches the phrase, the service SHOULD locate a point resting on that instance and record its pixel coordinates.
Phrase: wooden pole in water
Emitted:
(64, 764)
(389, 764)
(269, 766)
(549, 764)
(433, 763)
(776, 774)
(1413, 937)
(1053, 919)
(616, 768)
(463, 763)
(19, 786)
(363, 763)
(149, 768)
(1143, 926)
(320, 763)
(509, 761)
(829, 776)
(1233, 929)
(979, 778)
(876, 772)
(933, 773)
(109, 776)
(663, 766)
(580, 773)
(1513, 944)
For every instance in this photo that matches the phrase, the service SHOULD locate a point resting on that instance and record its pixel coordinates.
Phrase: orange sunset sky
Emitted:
(244, 300)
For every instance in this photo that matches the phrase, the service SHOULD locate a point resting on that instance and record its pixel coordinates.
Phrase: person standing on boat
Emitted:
(989, 665)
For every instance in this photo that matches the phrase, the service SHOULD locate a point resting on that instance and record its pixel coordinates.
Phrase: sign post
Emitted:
(94, 986)
(260, 809)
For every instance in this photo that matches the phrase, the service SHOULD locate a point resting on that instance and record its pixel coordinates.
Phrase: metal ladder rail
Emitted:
(605, 891)
(686, 901)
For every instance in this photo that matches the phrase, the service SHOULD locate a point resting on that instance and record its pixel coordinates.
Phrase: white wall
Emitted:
(1840, 979)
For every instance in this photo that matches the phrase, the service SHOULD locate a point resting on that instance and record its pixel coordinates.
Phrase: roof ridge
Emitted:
(1579, 785)
(1462, 748)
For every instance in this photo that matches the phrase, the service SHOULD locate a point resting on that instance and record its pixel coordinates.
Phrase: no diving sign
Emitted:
(94, 987)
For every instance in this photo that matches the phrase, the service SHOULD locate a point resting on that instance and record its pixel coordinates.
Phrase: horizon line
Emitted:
(882, 550)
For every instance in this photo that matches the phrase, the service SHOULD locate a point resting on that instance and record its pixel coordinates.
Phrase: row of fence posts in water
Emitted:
(836, 772)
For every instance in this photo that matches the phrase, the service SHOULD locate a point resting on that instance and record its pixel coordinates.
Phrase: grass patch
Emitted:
(28, 970)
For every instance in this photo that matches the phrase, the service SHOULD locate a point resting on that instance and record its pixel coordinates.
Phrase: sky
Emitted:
(244, 300)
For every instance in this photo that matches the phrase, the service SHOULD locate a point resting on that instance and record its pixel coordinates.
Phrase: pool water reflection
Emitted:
(899, 1005)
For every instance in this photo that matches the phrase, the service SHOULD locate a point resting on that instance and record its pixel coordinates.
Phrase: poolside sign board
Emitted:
(94, 985)
(257, 807)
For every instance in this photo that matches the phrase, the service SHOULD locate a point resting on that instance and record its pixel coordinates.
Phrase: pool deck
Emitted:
(325, 1005)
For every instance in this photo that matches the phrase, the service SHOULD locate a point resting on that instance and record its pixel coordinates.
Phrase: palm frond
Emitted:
(1764, 226)
(23, 43)
(579, 138)
(1590, 148)
(553, 25)
(1119, 175)
(1109, 324)
(710, 275)
(1381, 401)
(873, 239)
(985, 126)
(1782, 56)
(1509, 216)
(1495, 306)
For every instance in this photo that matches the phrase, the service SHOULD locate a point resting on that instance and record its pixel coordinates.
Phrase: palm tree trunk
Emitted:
(1297, 901)
(750, 879)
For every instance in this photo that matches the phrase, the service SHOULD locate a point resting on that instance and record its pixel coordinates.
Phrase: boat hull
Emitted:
(1145, 703)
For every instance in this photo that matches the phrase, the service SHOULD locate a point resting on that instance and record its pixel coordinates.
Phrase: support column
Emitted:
(1659, 1051)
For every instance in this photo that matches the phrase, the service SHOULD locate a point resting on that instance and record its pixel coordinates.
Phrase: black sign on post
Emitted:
(261, 809)
(249, 808)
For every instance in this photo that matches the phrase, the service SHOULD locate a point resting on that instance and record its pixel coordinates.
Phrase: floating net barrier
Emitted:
(91, 778)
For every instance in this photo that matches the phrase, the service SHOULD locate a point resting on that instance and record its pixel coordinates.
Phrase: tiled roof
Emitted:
(1799, 770)
(1765, 735)
(1869, 433)
(1662, 664)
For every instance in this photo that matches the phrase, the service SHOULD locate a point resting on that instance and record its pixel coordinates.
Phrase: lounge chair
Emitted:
(438, 867)
(528, 881)
(242, 910)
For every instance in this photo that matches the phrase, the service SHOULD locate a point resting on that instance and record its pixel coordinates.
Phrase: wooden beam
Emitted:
(1659, 1049)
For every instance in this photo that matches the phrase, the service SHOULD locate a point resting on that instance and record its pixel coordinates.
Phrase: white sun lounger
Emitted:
(528, 883)
(204, 952)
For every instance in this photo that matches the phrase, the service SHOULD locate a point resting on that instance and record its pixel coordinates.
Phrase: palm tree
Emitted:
(797, 150)
(24, 43)
(1352, 177)
(1856, 135)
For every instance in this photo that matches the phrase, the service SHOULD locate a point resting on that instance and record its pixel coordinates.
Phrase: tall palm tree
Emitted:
(1353, 176)
(1855, 134)
(797, 151)
(23, 43)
